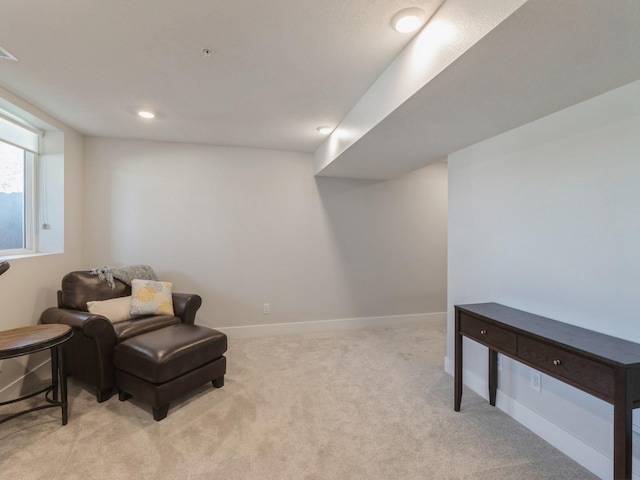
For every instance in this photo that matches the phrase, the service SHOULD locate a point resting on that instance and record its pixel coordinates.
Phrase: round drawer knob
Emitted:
(557, 362)
(483, 332)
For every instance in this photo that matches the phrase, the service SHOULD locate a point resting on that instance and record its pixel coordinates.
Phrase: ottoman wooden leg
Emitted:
(218, 382)
(160, 413)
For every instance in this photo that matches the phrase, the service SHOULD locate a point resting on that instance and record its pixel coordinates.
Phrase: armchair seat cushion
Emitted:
(139, 325)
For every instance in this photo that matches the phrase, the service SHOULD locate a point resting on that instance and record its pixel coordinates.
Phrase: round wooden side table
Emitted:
(28, 340)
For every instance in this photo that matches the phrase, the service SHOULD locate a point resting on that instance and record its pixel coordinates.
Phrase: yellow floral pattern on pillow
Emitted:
(151, 298)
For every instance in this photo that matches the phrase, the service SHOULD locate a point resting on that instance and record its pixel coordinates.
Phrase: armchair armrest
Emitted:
(95, 326)
(185, 306)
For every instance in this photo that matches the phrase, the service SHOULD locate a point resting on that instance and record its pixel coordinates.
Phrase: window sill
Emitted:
(27, 255)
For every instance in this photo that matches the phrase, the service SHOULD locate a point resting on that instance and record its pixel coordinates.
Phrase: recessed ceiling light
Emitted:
(146, 114)
(324, 130)
(408, 20)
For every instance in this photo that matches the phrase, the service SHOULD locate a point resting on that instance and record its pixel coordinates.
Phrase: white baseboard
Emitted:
(575, 448)
(274, 329)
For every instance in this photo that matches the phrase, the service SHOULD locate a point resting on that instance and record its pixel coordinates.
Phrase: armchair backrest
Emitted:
(81, 287)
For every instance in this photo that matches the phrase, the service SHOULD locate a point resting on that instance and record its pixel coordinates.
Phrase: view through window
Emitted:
(13, 178)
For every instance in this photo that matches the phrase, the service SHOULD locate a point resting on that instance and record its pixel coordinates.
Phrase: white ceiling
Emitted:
(283, 67)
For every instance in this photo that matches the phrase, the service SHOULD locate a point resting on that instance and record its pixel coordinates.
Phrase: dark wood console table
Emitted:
(604, 366)
(27, 340)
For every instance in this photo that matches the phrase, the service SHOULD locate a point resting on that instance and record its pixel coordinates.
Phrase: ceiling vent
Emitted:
(4, 55)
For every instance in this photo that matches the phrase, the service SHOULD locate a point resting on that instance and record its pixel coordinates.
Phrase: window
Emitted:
(18, 152)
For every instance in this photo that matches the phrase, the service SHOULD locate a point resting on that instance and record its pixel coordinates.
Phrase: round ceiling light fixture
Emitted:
(408, 20)
(146, 114)
(325, 130)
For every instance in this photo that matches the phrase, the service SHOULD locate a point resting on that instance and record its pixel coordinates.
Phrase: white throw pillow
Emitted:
(114, 309)
(151, 298)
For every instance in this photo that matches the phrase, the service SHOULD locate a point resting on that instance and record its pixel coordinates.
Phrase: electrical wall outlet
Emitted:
(266, 309)
(534, 381)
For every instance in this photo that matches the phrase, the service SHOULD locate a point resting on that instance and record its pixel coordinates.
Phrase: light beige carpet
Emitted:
(368, 404)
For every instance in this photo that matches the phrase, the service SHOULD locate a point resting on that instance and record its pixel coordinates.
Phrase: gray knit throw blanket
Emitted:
(124, 274)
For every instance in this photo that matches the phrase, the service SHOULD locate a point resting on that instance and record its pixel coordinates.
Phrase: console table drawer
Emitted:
(488, 334)
(575, 369)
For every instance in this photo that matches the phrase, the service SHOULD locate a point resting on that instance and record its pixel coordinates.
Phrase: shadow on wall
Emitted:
(349, 226)
(390, 238)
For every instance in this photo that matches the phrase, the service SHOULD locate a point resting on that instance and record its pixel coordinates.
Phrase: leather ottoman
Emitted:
(163, 365)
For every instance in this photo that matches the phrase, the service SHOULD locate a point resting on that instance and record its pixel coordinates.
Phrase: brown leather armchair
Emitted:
(89, 353)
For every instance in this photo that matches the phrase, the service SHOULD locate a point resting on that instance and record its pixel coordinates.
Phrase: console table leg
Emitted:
(458, 365)
(493, 376)
(622, 425)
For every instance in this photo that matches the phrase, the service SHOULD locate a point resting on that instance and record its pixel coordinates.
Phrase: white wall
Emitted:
(546, 218)
(244, 227)
(31, 283)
